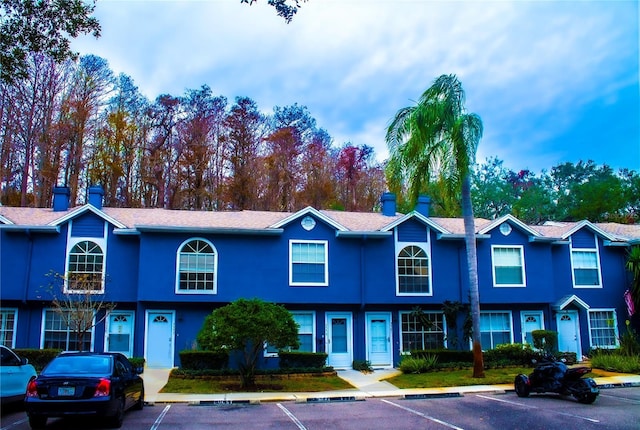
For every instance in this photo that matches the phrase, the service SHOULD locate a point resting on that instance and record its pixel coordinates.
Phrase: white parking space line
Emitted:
(622, 399)
(430, 418)
(160, 417)
(16, 424)
(593, 420)
(292, 417)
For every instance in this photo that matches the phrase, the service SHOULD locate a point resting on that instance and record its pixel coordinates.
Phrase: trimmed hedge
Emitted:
(294, 359)
(206, 373)
(38, 357)
(137, 362)
(445, 355)
(202, 360)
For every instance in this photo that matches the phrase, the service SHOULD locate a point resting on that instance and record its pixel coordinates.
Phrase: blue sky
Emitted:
(553, 81)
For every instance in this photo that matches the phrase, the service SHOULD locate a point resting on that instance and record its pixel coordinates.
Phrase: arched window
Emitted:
(413, 271)
(197, 261)
(85, 270)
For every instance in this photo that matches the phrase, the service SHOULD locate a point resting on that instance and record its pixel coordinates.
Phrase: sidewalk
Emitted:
(366, 385)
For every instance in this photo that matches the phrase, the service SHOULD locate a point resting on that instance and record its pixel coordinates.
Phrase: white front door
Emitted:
(119, 336)
(568, 332)
(339, 339)
(531, 320)
(379, 351)
(159, 339)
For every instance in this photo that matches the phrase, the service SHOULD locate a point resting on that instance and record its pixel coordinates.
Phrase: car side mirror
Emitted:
(139, 370)
(24, 361)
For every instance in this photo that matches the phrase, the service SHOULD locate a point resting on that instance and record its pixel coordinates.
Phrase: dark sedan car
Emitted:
(85, 383)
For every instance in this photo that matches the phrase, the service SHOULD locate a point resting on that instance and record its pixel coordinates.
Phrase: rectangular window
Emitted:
(306, 334)
(306, 326)
(603, 328)
(59, 332)
(420, 333)
(8, 327)
(308, 263)
(508, 266)
(586, 271)
(495, 329)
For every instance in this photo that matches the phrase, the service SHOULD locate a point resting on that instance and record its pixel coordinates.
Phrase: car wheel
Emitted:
(521, 384)
(140, 403)
(118, 417)
(37, 422)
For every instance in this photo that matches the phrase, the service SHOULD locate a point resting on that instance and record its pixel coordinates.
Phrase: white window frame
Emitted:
(615, 328)
(594, 250)
(271, 353)
(426, 247)
(215, 268)
(325, 243)
(444, 328)
(44, 325)
(510, 313)
(522, 267)
(313, 327)
(3, 326)
(73, 241)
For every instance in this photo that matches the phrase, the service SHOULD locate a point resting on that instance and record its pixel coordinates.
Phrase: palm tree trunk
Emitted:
(472, 265)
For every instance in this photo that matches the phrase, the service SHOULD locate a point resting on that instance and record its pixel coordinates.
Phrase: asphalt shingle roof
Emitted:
(257, 220)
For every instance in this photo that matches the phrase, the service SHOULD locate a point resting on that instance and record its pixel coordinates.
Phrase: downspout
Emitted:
(27, 282)
(362, 272)
(27, 277)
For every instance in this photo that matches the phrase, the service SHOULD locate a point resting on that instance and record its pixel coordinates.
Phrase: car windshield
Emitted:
(78, 365)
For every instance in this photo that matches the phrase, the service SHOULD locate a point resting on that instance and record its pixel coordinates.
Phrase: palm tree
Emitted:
(437, 140)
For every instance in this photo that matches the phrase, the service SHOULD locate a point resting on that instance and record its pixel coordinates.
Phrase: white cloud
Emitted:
(530, 69)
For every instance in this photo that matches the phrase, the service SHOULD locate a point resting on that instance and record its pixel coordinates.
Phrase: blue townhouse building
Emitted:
(351, 280)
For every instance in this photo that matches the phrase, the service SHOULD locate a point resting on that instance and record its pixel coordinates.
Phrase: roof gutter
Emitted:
(364, 234)
(204, 230)
(461, 236)
(31, 228)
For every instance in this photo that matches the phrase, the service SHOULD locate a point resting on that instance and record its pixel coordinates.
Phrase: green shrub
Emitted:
(362, 365)
(616, 362)
(410, 364)
(629, 341)
(509, 354)
(445, 355)
(545, 340)
(296, 359)
(38, 357)
(200, 360)
(137, 362)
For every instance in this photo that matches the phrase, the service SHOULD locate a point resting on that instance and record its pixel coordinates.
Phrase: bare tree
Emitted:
(79, 301)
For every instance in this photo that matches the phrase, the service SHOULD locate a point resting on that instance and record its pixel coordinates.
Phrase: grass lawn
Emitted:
(457, 378)
(290, 385)
(448, 378)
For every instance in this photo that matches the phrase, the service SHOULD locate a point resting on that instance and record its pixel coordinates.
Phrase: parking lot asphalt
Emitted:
(367, 385)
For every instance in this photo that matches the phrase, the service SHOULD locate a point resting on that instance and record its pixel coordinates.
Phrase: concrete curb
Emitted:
(368, 386)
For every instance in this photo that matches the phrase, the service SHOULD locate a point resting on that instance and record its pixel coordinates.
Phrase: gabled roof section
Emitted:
(417, 215)
(511, 220)
(591, 226)
(567, 300)
(309, 211)
(82, 210)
